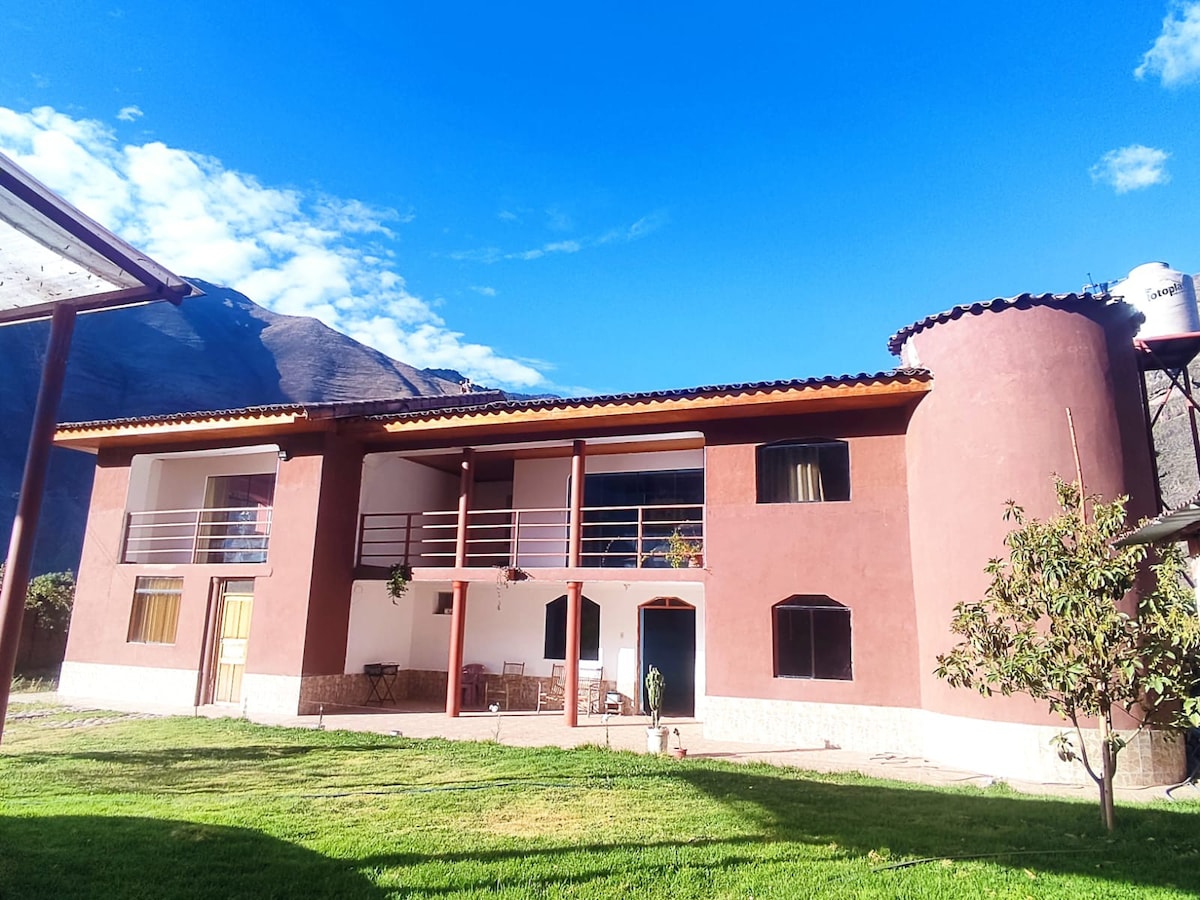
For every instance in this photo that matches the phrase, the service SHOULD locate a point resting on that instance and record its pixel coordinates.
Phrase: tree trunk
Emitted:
(1108, 760)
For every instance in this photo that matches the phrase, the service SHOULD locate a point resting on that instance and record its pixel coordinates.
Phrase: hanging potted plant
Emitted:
(656, 733)
(398, 580)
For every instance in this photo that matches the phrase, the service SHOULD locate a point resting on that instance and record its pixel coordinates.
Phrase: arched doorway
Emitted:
(667, 639)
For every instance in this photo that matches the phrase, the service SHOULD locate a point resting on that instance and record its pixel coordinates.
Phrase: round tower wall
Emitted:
(995, 428)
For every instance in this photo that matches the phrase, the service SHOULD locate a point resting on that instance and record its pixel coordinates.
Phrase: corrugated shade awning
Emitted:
(50, 252)
(1174, 525)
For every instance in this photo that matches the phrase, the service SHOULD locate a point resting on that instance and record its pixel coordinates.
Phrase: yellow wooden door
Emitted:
(237, 597)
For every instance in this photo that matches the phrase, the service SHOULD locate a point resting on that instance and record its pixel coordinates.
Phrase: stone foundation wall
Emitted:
(1001, 749)
(343, 693)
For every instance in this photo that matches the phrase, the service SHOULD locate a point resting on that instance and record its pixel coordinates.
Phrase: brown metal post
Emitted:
(575, 534)
(465, 482)
(29, 506)
(458, 609)
(458, 631)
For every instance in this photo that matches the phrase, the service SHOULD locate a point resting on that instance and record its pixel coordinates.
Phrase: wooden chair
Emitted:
(591, 689)
(507, 685)
(554, 692)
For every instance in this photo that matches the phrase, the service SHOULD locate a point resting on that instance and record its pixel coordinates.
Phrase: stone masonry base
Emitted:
(1001, 749)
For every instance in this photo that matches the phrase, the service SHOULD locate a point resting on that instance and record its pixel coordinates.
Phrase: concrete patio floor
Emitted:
(526, 728)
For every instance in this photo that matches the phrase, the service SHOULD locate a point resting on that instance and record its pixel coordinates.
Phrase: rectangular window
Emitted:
(812, 638)
(444, 604)
(803, 472)
(629, 517)
(155, 613)
(236, 524)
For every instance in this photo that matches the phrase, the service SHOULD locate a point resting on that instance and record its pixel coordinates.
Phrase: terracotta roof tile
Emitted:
(1021, 301)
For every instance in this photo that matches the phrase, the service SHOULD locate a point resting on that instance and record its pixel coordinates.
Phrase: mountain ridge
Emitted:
(220, 350)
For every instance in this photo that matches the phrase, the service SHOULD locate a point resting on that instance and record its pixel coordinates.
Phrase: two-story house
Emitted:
(827, 526)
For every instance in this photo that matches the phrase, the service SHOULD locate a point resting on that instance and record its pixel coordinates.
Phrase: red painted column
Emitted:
(458, 609)
(458, 631)
(574, 588)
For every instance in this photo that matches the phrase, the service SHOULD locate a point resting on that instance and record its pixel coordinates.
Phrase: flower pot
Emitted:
(656, 739)
(679, 752)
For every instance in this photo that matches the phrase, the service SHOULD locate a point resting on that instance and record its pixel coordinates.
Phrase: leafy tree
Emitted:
(1063, 623)
(49, 599)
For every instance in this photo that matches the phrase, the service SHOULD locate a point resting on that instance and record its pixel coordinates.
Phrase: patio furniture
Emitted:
(613, 704)
(553, 692)
(591, 689)
(471, 686)
(381, 679)
(507, 685)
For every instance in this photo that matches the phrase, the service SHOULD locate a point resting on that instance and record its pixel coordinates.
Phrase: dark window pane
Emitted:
(812, 638)
(556, 629)
(793, 643)
(803, 472)
(831, 643)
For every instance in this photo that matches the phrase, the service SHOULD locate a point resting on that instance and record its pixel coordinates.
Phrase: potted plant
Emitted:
(398, 580)
(656, 734)
(678, 751)
(684, 551)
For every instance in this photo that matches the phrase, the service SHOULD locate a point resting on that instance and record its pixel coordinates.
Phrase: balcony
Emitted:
(626, 537)
(239, 534)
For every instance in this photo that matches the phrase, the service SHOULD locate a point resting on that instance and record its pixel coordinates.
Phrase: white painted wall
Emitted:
(392, 484)
(380, 631)
(665, 460)
(505, 624)
(179, 481)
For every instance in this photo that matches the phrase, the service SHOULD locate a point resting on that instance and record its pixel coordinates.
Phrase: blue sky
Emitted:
(597, 198)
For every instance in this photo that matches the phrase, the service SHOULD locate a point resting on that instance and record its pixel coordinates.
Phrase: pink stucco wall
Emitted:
(994, 428)
(857, 552)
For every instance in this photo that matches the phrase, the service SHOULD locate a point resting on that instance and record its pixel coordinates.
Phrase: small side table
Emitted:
(381, 680)
(613, 704)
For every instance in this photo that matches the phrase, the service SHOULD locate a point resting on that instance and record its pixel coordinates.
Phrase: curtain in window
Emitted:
(155, 614)
(792, 474)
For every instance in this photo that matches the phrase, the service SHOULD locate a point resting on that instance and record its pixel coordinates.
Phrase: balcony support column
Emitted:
(458, 608)
(571, 674)
(458, 632)
(466, 483)
(574, 588)
(575, 535)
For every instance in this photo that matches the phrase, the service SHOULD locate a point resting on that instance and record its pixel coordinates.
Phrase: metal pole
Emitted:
(29, 506)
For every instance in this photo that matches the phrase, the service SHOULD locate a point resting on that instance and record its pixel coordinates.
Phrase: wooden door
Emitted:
(237, 598)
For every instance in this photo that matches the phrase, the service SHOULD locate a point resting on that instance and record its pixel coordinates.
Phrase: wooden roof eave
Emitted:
(680, 413)
(161, 433)
(677, 413)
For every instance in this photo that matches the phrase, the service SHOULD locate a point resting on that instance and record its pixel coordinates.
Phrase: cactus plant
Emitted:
(655, 684)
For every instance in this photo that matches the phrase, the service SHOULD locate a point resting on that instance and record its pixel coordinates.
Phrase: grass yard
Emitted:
(116, 806)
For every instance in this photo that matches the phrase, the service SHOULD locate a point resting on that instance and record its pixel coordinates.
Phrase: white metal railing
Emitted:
(613, 536)
(235, 534)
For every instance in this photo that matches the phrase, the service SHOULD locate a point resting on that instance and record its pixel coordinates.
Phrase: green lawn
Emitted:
(168, 808)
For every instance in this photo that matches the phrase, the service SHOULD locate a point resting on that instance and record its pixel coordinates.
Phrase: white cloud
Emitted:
(294, 252)
(1175, 55)
(644, 226)
(484, 290)
(1132, 168)
(129, 114)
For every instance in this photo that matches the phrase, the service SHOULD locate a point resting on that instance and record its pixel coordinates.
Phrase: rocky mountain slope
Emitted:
(218, 351)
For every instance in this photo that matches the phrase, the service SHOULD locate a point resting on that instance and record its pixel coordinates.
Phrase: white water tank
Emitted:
(1166, 297)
